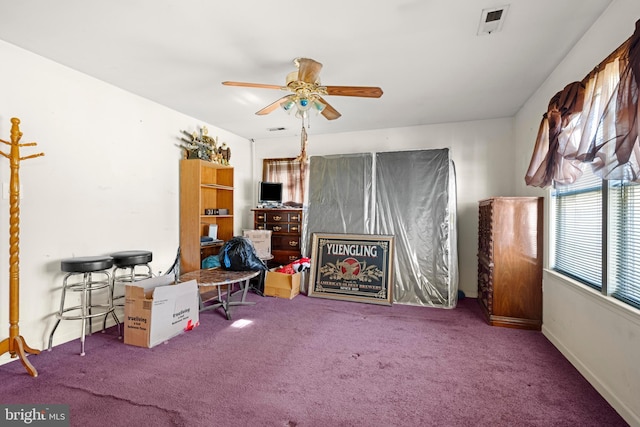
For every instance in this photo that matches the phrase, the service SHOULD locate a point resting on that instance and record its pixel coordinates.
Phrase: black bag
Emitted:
(239, 254)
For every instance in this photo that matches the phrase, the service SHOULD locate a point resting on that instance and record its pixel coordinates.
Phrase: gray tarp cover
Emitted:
(408, 194)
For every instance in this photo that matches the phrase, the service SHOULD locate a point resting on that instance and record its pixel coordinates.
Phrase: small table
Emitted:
(213, 279)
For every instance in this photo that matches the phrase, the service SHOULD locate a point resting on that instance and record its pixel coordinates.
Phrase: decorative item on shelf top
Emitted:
(224, 153)
(199, 145)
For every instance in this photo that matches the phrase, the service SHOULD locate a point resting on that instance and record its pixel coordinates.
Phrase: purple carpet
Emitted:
(318, 362)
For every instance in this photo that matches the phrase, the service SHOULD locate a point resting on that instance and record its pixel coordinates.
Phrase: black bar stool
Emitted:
(94, 274)
(129, 267)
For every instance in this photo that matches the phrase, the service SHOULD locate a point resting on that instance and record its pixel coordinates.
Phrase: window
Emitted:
(578, 230)
(624, 242)
(593, 217)
(291, 173)
(590, 132)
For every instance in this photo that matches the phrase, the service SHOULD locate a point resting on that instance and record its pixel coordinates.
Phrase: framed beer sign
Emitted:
(352, 267)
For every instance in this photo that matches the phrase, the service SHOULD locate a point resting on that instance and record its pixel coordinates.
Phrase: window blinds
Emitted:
(624, 244)
(578, 230)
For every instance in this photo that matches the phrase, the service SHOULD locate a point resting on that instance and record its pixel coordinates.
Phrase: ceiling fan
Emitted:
(307, 91)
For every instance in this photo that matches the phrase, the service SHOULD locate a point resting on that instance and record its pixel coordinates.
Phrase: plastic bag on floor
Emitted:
(239, 254)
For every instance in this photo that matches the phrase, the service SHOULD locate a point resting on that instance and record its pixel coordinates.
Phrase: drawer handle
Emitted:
(295, 218)
(294, 228)
(292, 257)
(277, 217)
(293, 243)
(260, 227)
(277, 228)
(261, 217)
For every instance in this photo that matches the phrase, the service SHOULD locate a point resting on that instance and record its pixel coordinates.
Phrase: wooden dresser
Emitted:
(510, 261)
(286, 228)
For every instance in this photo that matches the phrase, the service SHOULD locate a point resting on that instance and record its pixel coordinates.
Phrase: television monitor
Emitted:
(270, 192)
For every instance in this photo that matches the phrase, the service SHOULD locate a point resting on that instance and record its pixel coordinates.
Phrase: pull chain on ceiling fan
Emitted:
(307, 92)
(302, 157)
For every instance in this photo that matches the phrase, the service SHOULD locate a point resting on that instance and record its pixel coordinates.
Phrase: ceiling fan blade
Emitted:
(308, 70)
(329, 112)
(362, 91)
(258, 85)
(273, 106)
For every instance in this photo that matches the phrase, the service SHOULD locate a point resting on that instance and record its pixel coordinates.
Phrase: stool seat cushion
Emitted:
(86, 264)
(131, 258)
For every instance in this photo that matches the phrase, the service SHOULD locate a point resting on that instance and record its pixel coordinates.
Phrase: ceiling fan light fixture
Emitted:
(303, 104)
(302, 114)
(307, 93)
(318, 106)
(288, 105)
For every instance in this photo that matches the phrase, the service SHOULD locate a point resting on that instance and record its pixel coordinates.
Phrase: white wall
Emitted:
(598, 335)
(108, 181)
(481, 150)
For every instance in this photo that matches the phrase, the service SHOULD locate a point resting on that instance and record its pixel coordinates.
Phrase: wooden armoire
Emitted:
(510, 261)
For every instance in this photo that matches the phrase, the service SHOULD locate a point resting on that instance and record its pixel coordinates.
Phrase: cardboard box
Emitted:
(282, 285)
(157, 310)
(261, 240)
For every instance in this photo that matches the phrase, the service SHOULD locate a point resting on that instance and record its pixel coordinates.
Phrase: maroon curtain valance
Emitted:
(593, 121)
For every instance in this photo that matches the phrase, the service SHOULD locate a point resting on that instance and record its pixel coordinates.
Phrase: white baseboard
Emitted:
(622, 409)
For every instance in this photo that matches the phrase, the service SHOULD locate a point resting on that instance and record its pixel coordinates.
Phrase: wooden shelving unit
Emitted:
(203, 185)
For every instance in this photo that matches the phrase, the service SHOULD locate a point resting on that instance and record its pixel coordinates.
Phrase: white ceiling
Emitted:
(424, 54)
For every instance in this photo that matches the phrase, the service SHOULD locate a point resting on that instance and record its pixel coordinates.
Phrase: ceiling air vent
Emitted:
(492, 19)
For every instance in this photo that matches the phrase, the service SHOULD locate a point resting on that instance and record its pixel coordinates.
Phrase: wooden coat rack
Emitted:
(15, 344)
